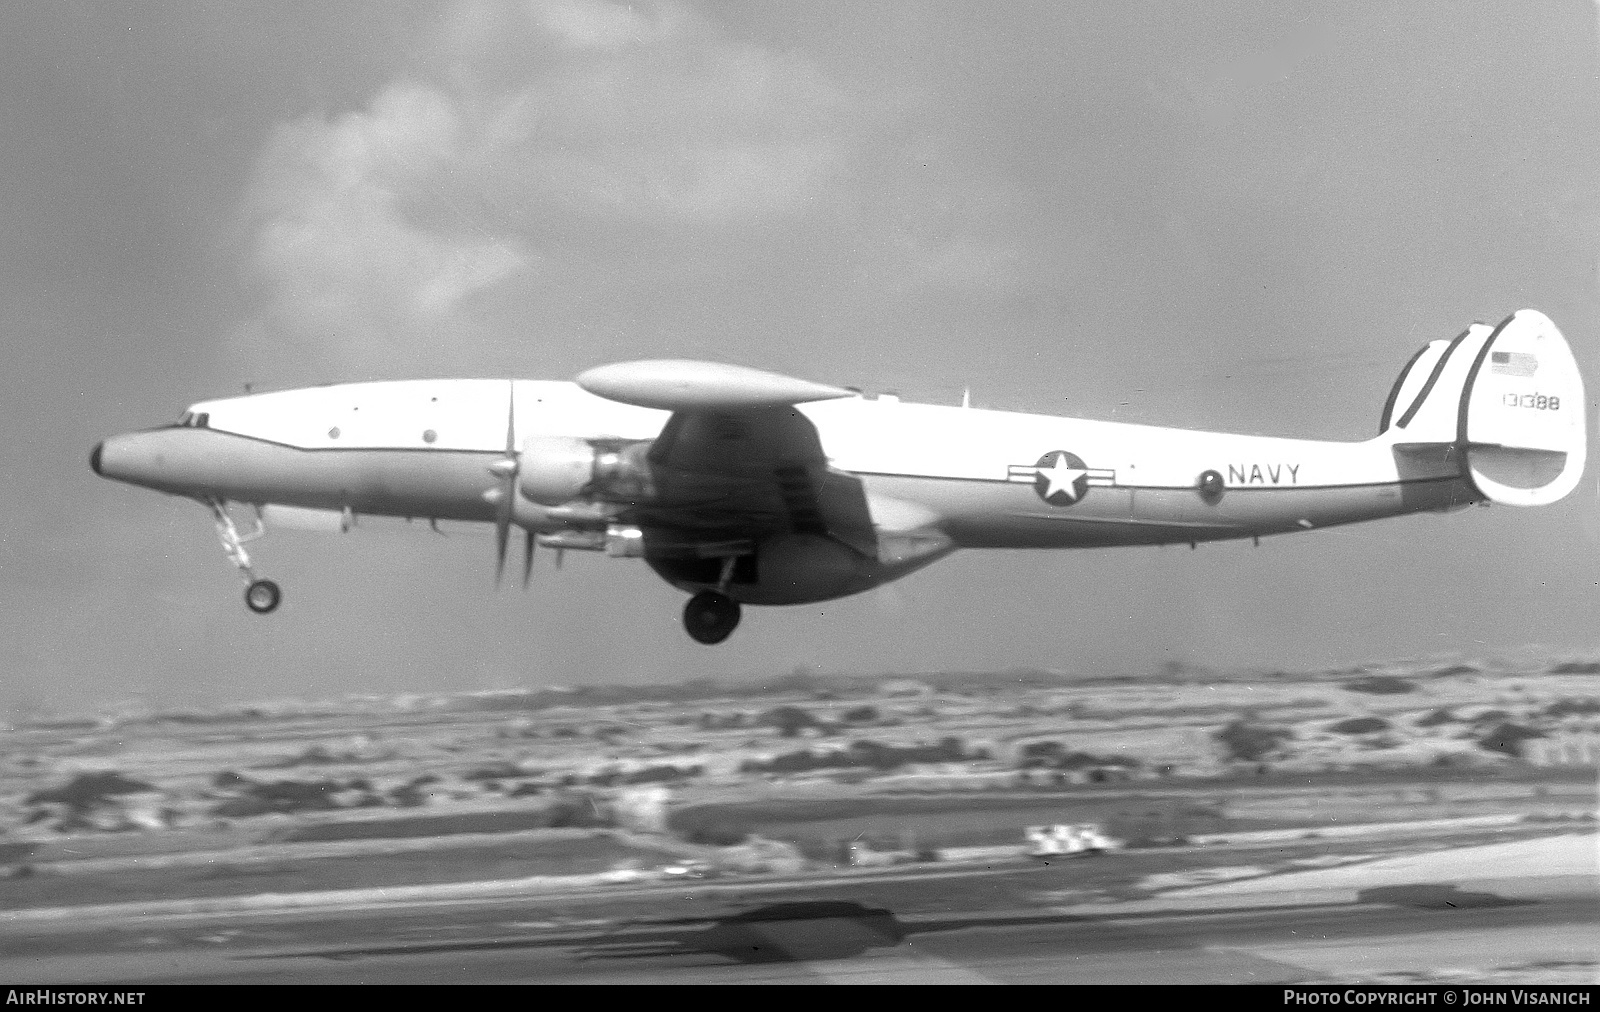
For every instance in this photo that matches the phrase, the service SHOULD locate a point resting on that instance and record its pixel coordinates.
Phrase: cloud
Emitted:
(582, 131)
(333, 239)
(587, 24)
(655, 114)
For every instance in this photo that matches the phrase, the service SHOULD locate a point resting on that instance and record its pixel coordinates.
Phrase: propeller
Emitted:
(527, 557)
(505, 498)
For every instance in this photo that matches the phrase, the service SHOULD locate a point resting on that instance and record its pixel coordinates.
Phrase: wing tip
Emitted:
(685, 385)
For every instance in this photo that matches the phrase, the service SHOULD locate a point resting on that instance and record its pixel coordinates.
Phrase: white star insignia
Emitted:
(1062, 478)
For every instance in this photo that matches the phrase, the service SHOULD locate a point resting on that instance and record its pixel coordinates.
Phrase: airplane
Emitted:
(745, 487)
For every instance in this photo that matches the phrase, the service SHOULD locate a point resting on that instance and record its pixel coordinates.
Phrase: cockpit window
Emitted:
(195, 420)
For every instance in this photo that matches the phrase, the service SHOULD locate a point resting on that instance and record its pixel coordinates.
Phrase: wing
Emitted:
(736, 462)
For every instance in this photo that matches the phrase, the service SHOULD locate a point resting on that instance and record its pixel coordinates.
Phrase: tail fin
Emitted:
(1510, 397)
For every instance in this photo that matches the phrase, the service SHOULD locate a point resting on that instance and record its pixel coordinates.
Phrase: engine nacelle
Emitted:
(620, 541)
(558, 469)
(555, 469)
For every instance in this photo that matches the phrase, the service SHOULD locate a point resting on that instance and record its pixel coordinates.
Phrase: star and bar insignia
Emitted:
(1060, 478)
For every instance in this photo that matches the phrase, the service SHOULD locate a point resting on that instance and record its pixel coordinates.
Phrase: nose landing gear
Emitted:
(710, 617)
(260, 596)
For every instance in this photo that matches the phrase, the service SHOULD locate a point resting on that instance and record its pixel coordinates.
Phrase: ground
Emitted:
(376, 792)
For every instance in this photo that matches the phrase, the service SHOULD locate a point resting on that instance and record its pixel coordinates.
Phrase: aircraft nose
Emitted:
(170, 458)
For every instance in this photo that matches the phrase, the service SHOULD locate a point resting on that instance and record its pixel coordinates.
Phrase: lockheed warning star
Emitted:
(746, 487)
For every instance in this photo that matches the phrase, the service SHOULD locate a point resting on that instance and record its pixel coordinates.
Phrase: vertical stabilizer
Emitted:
(1427, 398)
(1508, 401)
(1523, 417)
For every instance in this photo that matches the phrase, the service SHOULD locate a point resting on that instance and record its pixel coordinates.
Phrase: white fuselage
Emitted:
(746, 487)
(982, 478)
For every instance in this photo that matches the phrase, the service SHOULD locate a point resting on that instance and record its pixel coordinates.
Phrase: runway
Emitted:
(1518, 912)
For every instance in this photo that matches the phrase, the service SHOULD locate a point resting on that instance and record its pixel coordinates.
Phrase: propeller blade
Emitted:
(506, 468)
(527, 558)
(511, 422)
(502, 534)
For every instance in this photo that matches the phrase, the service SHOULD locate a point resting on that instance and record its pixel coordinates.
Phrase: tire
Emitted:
(710, 617)
(262, 596)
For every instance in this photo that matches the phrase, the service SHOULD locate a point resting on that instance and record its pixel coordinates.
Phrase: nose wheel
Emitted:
(711, 617)
(262, 596)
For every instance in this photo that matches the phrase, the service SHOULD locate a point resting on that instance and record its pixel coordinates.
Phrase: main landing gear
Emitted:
(711, 616)
(260, 596)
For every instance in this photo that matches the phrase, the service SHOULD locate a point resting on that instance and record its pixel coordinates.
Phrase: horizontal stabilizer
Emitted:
(680, 385)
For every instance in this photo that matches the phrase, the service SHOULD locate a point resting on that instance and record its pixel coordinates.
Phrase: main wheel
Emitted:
(262, 596)
(711, 617)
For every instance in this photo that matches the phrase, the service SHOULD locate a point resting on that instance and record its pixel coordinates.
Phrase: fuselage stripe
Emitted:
(1096, 482)
(1176, 488)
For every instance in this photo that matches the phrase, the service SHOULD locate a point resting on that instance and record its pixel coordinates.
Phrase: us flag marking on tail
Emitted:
(1513, 363)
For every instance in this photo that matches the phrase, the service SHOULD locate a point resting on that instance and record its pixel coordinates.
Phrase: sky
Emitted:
(1242, 217)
